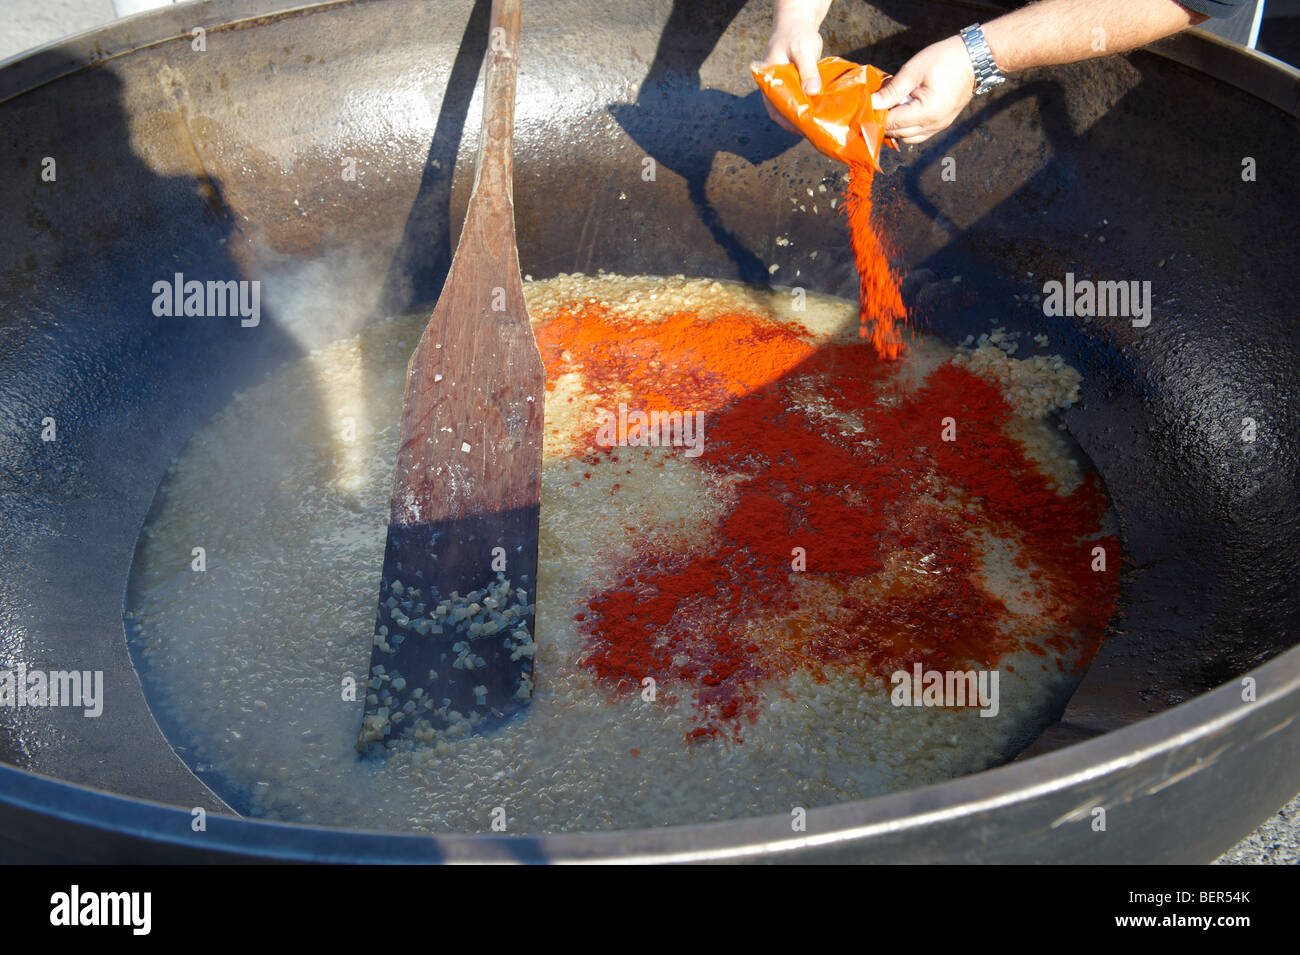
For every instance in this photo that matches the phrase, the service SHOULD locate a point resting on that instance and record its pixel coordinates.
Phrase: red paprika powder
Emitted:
(880, 304)
(860, 483)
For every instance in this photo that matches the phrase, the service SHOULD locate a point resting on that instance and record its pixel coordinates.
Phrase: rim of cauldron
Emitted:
(1272, 80)
(1179, 735)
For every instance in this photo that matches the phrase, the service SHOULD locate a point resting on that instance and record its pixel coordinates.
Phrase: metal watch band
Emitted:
(987, 74)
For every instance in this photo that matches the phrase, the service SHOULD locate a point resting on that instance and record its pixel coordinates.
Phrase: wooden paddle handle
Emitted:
(495, 170)
(472, 415)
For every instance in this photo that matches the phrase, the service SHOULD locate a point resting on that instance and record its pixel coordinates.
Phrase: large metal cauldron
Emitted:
(228, 163)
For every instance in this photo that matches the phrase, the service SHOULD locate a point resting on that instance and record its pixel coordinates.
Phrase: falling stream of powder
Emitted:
(881, 306)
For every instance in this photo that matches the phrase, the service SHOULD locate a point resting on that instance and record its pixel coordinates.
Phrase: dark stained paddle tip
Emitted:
(453, 643)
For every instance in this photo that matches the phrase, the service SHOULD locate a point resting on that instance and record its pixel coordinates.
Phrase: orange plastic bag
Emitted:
(839, 120)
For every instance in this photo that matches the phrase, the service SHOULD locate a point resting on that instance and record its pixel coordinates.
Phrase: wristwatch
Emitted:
(987, 74)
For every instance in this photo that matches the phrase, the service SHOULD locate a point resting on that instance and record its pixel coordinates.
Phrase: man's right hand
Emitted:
(795, 39)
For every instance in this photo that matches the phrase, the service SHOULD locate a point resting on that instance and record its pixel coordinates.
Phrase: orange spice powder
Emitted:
(719, 625)
(881, 310)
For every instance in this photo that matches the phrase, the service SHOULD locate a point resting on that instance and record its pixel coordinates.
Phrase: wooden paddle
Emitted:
(453, 636)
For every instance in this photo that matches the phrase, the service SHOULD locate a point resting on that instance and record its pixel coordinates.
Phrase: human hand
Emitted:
(928, 93)
(795, 40)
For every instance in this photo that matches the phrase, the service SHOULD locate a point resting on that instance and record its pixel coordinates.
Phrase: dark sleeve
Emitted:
(1213, 8)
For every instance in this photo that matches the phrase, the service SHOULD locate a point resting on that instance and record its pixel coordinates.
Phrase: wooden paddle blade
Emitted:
(453, 648)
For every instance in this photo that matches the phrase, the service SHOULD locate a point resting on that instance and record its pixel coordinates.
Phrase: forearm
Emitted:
(814, 10)
(1063, 31)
